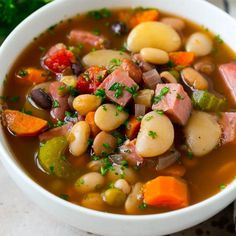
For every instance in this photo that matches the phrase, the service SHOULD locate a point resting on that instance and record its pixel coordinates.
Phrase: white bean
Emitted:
(168, 77)
(144, 97)
(85, 103)
(89, 182)
(118, 172)
(95, 165)
(154, 56)
(155, 35)
(194, 79)
(202, 133)
(175, 23)
(134, 200)
(93, 201)
(108, 118)
(200, 44)
(122, 185)
(103, 57)
(156, 135)
(78, 138)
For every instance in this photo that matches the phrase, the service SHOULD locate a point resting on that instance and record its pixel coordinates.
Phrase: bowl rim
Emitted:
(25, 176)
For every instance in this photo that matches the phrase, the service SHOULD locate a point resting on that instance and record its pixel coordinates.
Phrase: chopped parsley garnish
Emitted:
(73, 92)
(81, 181)
(189, 155)
(106, 145)
(59, 123)
(42, 49)
(95, 158)
(51, 168)
(143, 206)
(114, 63)
(139, 118)
(14, 99)
(148, 118)
(23, 73)
(119, 108)
(70, 114)
(222, 186)
(101, 93)
(90, 142)
(118, 88)
(55, 104)
(107, 165)
(218, 39)
(133, 90)
(163, 93)
(64, 196)
(100, 14)
(104, 107)
(152, 134)
(96, 32)
(159, 112)
(26, 112)
(61, 88)
(179, 96)
(124, 163)
(171, 64)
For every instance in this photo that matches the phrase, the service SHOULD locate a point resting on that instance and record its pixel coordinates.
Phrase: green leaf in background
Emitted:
(12, 12)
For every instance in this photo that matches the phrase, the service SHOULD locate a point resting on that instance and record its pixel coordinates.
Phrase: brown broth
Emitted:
(204, 179)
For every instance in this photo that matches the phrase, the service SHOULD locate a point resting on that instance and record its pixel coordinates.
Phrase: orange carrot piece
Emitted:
(182, 58)
(22, 124)
(90, 119)
(32, 76)
(143, 16)
(132, 127)
(174, 170)
(166, 191)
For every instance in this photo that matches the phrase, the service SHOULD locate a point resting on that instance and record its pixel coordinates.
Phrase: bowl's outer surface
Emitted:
(85, 219)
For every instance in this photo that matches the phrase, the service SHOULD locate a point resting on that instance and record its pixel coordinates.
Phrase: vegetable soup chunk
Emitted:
(123, 111)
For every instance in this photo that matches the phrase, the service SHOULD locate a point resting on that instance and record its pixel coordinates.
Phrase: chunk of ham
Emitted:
(58, 113)
(79, 36)
(175, 103)
(55, 132)
(228, 73)
(133, 70)
(120, 77)
(128, 150)
(227, 122)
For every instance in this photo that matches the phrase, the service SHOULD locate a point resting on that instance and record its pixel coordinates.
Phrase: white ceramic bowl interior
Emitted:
(198, 11)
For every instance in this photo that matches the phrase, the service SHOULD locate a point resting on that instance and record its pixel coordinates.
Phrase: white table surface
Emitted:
(20, 217)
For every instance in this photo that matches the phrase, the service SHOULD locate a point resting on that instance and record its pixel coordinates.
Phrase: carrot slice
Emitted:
(166, 191)
(22, 124)
(132, 127)
(90, 119)
(182, 58)
(32, 76)
(174, 170)
(143, 16)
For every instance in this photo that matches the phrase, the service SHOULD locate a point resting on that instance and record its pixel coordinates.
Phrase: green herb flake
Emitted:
(152, 134)
(104, 107)
(218, 39)
(96, 32)
(139, 118)
(14, 99)
(164, 91)
(42, 49)
(23, 73)
(124, 163)
(159, 112)
(114, 64)
(90, 142)
(222, 186)
(179, 96)
(148, 118)
(101, 93)
(64, 196)
(73, 92)
(26, 112)
(189, 155)
(55, 104)
(100, 14)
(95, 158)
(118, 88)
(106, 145)
(51, 169)
(143, 206)
(107, 165)
(133, 90)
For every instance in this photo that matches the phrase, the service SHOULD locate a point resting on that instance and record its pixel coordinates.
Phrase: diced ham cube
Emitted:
(55, 132)
(174, 101)
(228, 73)
(128, 150)
(227, 122)
(120, 78)
(79, 36)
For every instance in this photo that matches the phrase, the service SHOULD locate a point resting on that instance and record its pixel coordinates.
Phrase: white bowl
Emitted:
(198, 11)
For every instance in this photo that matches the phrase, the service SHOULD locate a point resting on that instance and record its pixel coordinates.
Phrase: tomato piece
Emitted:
(90, 80)
(58, 58)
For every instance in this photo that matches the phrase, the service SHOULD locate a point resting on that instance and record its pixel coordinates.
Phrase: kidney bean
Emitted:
(41, 98)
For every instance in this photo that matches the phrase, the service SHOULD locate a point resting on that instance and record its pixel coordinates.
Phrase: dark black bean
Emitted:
(41, 98)
(77, 68)
(119, 28)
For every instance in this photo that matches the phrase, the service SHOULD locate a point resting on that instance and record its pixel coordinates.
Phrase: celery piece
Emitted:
(52, 159)
(206, 101)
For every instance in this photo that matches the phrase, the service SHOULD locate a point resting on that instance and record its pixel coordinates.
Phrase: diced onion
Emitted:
(167, 160)
(140, 110)
(116, 158)
(151, 78)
